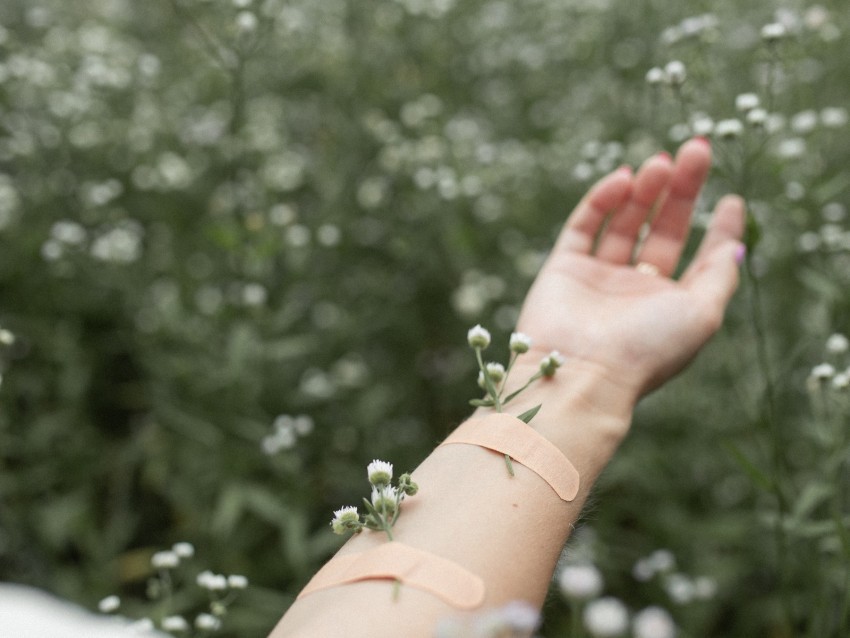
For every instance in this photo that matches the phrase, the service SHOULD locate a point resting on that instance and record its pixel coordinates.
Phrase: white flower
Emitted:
(165, 560)
(837, 344)
(551, 362)
(705, 587)
(384, 499)
(773, 32)
(747, 102)
(675, 73)
(729, 128)
(212, 582)
(804, 122)
(207, 622)
(606, 617)
(109, 604)
(478, 337)
(175, 623)
(7, 338)
(662, 560)
(653, 622)
(379, 473)
(580, 582)
(142, 626)
(757, 117)
(183, 550)
(833, 116)
(823, 371)
(237, 581)
(496, 372)
(841, 381)
(680, 588)
(520, 342)
(655, 76)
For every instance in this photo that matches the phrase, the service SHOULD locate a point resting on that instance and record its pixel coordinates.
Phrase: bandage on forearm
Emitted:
(395, 561)
(507, 434)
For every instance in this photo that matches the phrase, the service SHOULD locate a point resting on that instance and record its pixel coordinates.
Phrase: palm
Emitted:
(595, 307)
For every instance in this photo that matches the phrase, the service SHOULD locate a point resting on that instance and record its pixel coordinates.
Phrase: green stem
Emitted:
(768, 420)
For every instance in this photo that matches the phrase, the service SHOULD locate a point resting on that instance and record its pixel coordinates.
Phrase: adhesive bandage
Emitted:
(396, 561)
(507, 434)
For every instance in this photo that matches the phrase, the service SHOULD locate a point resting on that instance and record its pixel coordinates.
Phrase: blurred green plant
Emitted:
(215, 215)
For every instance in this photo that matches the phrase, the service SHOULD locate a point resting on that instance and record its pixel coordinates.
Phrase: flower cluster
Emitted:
(493, 377)
(383, 510)
(220, 590)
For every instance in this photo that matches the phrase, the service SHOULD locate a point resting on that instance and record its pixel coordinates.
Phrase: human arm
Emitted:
(623, 332)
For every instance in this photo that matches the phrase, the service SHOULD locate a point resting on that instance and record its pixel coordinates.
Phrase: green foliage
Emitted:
(213, 214)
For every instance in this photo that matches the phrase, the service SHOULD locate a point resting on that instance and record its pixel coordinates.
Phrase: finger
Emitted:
(585, 222)
(713, 274)
(666, 239)
(620, 236)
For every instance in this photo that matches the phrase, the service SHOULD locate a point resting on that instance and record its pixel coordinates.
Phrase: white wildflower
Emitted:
(606, 617)
(837, 344)
(211, 582)
(729, 129)
(165, 560)
(653, 622)
(841, 381)
(705, 587)
(175, 623)
(680, 588)
(823, 371)
(675, 72)
(183, 549)
(804, 122)
(385, 500)
(655, 76)
(237, 581)
(551, 362)
(478, 337)
(207, 622)
(773, 32)
(380, 473)
(345, 519)
(746, 102)
(520, 342)
(580, 582)
(834, 116)
(109, 604)
(757, 117)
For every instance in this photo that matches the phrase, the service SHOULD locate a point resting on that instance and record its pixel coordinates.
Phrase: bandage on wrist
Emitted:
(507, 434)
(396, 561)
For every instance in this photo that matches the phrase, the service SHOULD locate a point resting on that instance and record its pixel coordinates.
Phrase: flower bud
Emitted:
(520, 342)
(478, 337)
(345, 519)
(551, 363)
(406, 484)
(380, 473)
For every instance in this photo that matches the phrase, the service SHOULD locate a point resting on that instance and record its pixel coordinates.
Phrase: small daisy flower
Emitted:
(109, 604)
(237, 581)
(207, 622)
(496, 372)
(729, 129)
(550, 363)
(655, 76)
(175, 623)
(675, 73)
(653, 622)
(478, 337)
(183, 550)
(580, 582)
(773, 32)
(837, 344)
(520, 342)
(606, 617)
(380, 473)
(823, 372)
(746, 102)
(385, 500)
(345, 519)
(165, 560)
(211, 582)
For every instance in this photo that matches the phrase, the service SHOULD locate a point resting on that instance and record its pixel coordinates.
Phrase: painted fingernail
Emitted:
(703, 139)
(664, 154)
(740, 253)
(625, 168)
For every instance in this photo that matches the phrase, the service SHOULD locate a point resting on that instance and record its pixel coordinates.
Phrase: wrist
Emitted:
(583, 410)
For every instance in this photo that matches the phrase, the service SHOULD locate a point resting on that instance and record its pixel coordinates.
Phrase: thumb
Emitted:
(713, 278)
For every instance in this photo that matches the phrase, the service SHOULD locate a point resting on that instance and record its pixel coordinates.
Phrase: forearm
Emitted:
(507, 530)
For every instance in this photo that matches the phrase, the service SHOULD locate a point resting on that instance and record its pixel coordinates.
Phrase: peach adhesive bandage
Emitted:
(507, 434)
(396, 561)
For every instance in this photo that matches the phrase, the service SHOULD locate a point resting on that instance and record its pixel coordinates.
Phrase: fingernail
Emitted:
(740, 253)
(664, 154)
(703, 139)
(625, 168)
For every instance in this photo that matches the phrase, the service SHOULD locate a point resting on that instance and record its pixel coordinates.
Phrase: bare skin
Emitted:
(623, 332)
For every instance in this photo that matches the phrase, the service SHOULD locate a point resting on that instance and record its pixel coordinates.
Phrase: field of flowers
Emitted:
(241, 242)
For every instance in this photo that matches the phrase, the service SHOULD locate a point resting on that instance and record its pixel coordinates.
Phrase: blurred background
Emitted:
(241, 242)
